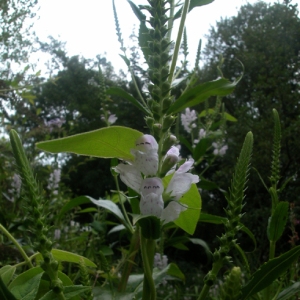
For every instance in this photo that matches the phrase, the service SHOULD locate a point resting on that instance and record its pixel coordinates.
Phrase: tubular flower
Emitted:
(181, 181)
(151, 201)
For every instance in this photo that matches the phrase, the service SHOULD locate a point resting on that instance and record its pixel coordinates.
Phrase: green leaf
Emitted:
(109, 205)
(69, 292)
(188, 219)
(289, 292)
(126, 60)
(150, 225)
(186, 143)
(62, 255)
(137, 11)
(207, 185)
(203, 244)
(28, 286)
(73, 203)
(6, 273)
(244, 257)
(211, 111)
(5, 294)
(117, 91)
(115, 141)
(269, 272)
(106, 293)
(278, 221)
(24, 277)
(193, 4)
(144, 38)
(207, 218)
(200, 149)
(198, 94)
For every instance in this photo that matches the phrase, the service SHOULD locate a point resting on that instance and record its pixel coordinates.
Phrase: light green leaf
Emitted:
(198, 94)
(109, 205)
(269, 272)
(62, 255)
(188, 219)
(117, 91)
(203, 244)
(278, 221)
(27, 286)
(69, 292)
(24, 277)
(116, 229)
(289, 292)
(115, 141)
(6, 273)
(211, 111)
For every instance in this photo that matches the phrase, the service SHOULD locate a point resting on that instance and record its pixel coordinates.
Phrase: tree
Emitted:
(266, 39)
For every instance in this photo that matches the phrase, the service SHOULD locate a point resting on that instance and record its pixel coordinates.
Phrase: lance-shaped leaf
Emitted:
(108, 142)
(193, 4)
(198, 94)
(116, 91)
(289, 292)
(137, 11)
(278, 221)
(269, 272)
(211, 111)
(5, 294)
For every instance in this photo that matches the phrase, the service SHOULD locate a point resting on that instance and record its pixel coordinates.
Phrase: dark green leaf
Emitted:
(198, 94)
(207, 185)
(144, 38)
(73, 203)
(5, 294)
(69, 292)
(200, 149)
(137, 11)
(269, 272)
(207, 218)
(126, 60)
(115, 141)
(211, 111)
(278, 221)
(117, 91)
(193, 4)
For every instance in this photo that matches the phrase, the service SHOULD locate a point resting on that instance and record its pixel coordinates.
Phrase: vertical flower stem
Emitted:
(178, 40)
(134, 245)
(147, 250)
(10, 237)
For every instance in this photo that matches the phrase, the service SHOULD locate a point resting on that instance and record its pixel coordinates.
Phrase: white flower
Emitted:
(130, 175)
(160, 261)
(187, 119)
(112, 119)
(151, 201)
(202, 134)
(181, 181)
(172, 212)
(219, 149)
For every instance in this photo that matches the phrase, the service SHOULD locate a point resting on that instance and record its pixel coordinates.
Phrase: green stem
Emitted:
(147, 250)
(129, 226)
(170, 22)
(178, 40)
(213, 274)
(272, 249)
(134, 245)
(10, 237)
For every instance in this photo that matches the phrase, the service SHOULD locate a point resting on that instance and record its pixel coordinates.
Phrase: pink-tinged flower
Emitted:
(172, 212)
(130, 175)
(112, 119)
(151, 201)
(181, 181)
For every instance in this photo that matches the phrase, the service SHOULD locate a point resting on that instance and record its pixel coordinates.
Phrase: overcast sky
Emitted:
(88, 26)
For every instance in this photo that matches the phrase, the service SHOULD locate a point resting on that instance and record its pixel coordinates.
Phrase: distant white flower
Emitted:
(219, 149)
(112, 119)
(57, 234)
(160, 261)
(15, 190)
(187, 119)
(54, 180)
(201, 135)
(54, 123)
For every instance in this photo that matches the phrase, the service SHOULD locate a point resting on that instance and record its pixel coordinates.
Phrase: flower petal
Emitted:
(146, 142)
(152, 185)
(186, 166)
(130, 176)
(146, 162)
(172, 212)
(180, 184)
(152, 204)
